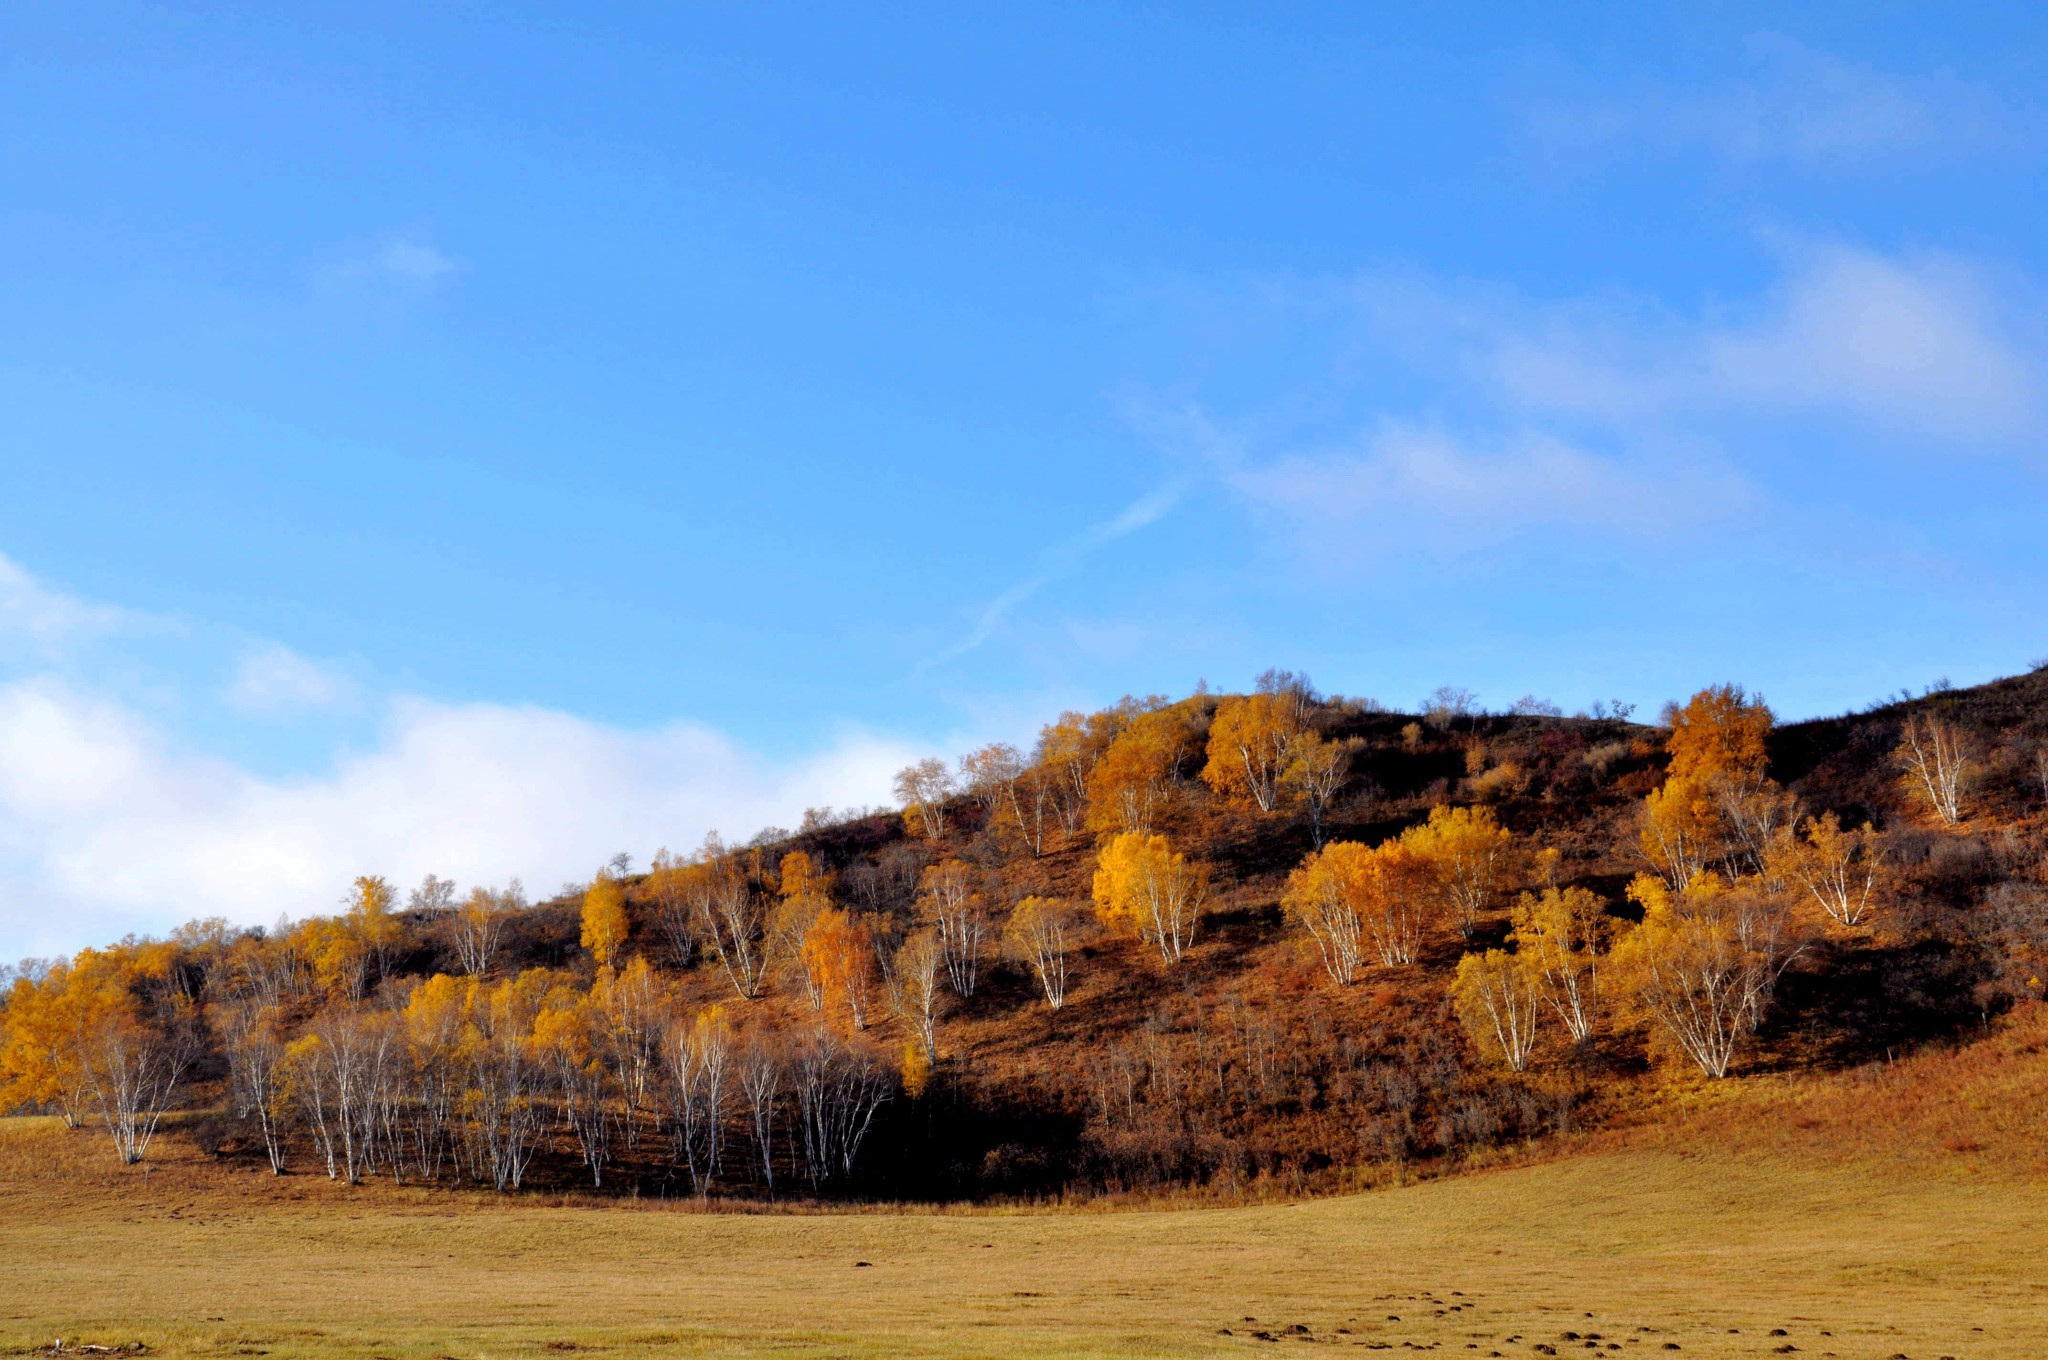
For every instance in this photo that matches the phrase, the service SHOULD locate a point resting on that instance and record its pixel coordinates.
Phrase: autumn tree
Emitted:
(806, 894)
(1718, 804)
(605, 924)
(959, 918)
(1702, 965)
(479, 924)
(839, 957)
(1066, 754)
(1842, 871)
(564, 1037)
(504, 1097)
(1251, 744)
(1136, 775)
(629, 1012)
(1470, 858)
(1497, 996)
(1316, 773)
(1325, 896)
(131, 1056)
(369, 919)
(914, 993)
(40, 1063)
(923, 789)
(1039, 932)
(1680, 831)
(1934, 759)
(1142, 884)
(1562, 934)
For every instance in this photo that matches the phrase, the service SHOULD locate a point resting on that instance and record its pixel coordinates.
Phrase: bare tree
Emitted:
(433, 895)
(480, 924)
(733, 916)
(760, 1079)
(694, 1057)
(253, 1038)
(1317, 772)
(674, 918)
(959, 919)
(838, 1090)
(923, 789)
(1932, 754)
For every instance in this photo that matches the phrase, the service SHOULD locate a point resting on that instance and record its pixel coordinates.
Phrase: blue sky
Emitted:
(482, 441)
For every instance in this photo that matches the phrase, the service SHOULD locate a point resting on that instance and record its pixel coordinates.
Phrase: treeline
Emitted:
(1205, 941)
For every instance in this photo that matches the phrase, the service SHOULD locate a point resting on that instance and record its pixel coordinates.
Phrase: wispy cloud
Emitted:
(1060, 560)
(1407, 488)
(1920, 345)
(404, 262)
(1610, 411)
(43, 620)
(1798, 107)
(272, 680)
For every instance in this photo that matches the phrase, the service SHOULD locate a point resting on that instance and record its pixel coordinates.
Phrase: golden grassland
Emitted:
(1895, 1211)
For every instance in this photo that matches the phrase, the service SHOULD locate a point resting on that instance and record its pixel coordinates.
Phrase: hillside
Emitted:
(1243, 1068)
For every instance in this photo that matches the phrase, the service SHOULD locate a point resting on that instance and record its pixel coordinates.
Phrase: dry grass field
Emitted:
(1899, 1213)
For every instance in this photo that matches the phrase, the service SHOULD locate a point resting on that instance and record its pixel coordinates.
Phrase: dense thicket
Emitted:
(1270, 937)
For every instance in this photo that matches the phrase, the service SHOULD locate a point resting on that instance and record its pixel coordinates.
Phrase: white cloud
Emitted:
(273, 680)
(106, 826)
(1802, 108)
(47, 620)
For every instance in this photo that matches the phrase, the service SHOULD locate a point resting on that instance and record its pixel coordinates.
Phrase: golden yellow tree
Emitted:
(1842, 871)
(913, 987)
(1142, 884)
(1327, 896)
(839, 955)
(1132, 782)
(1681, 829)
(1701, 966)
(605, 924)
(1251, 741)
(1497, 998)
(1720, 731)
(1562, 934)
(1470, 858)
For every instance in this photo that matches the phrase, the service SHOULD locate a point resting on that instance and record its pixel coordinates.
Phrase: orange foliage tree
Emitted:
(1144, 885)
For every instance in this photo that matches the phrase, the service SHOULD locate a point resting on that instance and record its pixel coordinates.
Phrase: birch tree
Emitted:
(1039, 932)
(1497, 997)
(1143, 885)
(959, 919)
(1934, 759)
(1563, 934)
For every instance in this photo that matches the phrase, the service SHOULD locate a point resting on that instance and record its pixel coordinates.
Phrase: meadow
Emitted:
(1893, 1212)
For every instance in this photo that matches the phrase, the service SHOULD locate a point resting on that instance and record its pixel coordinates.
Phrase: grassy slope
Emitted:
(1899, 1210)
